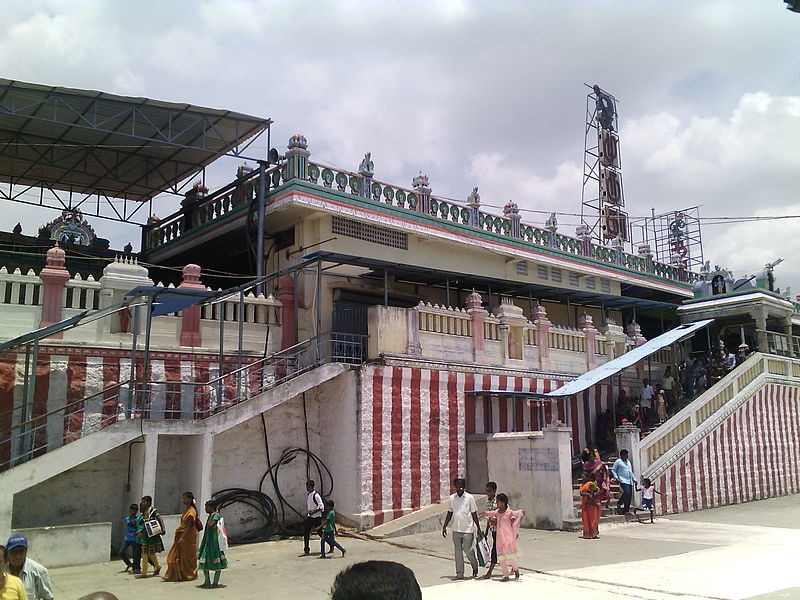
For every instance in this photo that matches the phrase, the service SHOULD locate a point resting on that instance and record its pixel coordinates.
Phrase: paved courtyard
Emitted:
(737, 552)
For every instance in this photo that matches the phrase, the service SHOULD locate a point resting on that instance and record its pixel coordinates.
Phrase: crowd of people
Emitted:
(596, 488)
(658, 400)
(143, 542)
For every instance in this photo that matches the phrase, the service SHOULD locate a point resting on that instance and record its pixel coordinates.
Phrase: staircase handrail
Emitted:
(743, 395)
(60, 409)
(685, 421)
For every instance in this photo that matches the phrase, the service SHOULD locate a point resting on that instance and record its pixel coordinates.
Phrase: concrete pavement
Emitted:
(733, 553)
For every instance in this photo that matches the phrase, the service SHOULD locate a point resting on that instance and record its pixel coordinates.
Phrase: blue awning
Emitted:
(170, 300)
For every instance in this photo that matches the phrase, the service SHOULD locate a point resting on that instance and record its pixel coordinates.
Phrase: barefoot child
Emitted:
(129, 542)
(329, 532)
(508, 522)
(211, 553)
(648, 489)
(491, 504)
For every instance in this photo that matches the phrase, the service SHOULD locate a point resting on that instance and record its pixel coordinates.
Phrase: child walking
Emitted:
(129, 543)
(329, 532)
(491, 504)
(150, 545)
(211, 553)
(648, 490)
(508, 522)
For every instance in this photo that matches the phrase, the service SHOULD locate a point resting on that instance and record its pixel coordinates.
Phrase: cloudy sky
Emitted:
(487, 94)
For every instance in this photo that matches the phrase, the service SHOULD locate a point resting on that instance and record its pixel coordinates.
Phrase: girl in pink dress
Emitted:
(508, 522)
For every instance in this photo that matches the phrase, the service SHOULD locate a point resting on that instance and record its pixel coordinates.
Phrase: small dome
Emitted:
(56, 257)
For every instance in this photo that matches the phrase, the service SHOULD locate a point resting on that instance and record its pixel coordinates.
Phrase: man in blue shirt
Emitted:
(622, 471)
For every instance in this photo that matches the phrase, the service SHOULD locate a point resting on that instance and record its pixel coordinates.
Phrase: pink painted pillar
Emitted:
(190, 325)
(478, 315)
(542, 324)
(634, 332)
(288, 316)
(54, 278)
(590, 336)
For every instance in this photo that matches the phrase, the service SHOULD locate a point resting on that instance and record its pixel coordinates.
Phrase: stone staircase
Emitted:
(607, 515)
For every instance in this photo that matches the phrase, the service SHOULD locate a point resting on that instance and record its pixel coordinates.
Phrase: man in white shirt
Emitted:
(646, 400)
(464, 513)
(314, 507)
(34, 576)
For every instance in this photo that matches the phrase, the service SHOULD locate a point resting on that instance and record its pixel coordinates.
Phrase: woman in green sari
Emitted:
(211, 552)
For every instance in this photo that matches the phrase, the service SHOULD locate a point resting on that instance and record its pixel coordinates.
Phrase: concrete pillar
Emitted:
(590, 336)
(190, 322)
(150, 468)
(478, 315)
(413, 347)
(787, 330)
(542, 324)
(54, 277)
(761, 331)
(297, 158)
(559, 437)
(423, 189)
(286, 293)
(628, 439)
(6, 508)
(206, 489)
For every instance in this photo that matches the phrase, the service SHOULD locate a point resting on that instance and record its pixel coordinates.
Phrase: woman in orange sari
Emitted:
(590, 507)
(182, 557)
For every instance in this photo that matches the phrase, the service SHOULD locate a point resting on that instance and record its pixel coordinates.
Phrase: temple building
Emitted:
(397, 338)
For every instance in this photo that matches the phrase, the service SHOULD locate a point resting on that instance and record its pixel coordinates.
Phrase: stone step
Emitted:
(577, 525)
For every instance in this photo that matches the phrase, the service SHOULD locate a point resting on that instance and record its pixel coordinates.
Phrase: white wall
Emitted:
(68, 545)
(92, 492)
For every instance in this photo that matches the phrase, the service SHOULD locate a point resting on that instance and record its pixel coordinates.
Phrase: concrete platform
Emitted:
(424, 520)
(706, 555)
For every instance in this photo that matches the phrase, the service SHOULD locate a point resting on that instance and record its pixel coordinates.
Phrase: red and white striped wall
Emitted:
(67, 374)
(415, 422)
(753, 454)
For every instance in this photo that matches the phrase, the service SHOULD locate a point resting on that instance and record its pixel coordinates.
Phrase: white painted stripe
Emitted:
(365, 439)
(386, 439)
(56, 394)
(158, 390)
(424, 435)
(444, 435)
(405, 451)
(189, 389)
(461, 441)
(92, 410)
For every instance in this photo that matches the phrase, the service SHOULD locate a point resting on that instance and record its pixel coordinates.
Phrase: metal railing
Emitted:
(34, 436)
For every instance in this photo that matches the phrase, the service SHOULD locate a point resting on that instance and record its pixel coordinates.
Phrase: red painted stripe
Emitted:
(750, 450)
(586, 399)
(503, 412)
(433, 435)
(40, 396)
(469, 412)
(202, 397)
(8, 375)
(794, 434)
(775, 459)
(782, 451)
(397, 438)
(684, 486)
(519, 407)
(673, 488)
(573, 406)
(759, 425)
(741, 484)
(172, 389)
(488, 425)
(76, 391)
(702, 496)
(454, 438)
(415, 452)
(377, 444)
(660, 502)
(113, 397)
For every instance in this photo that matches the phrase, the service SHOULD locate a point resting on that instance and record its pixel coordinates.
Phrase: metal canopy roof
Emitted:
(430, 276)
(118, 146)
(628, 359)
